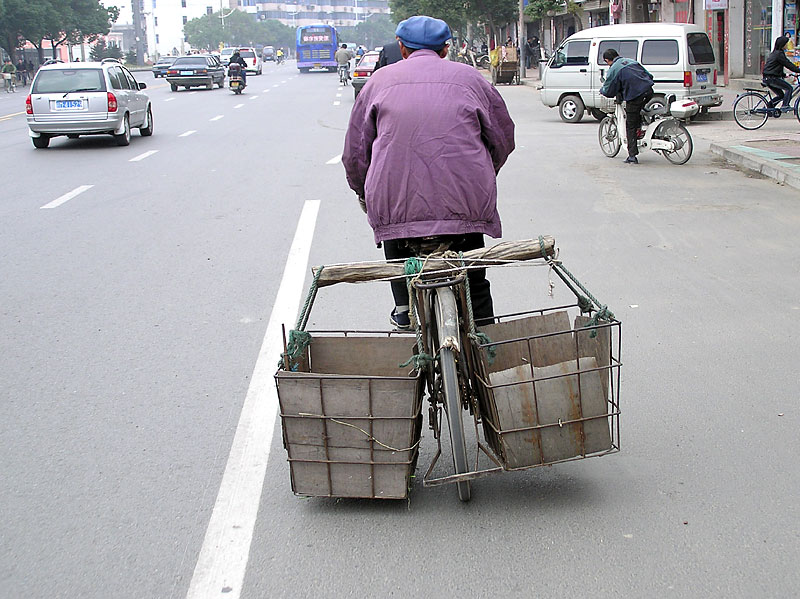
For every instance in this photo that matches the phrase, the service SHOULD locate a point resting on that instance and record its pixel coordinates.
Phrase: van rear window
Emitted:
(64, 80)
(625, 48)
(660, 52)
(700, 50)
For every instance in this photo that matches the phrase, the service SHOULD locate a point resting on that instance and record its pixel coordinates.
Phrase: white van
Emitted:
(679, 56)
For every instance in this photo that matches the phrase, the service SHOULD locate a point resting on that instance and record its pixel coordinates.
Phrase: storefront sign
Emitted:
(716, 4)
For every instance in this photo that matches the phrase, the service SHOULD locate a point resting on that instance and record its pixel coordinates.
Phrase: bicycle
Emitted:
(456, 360)
(753, 108)
(9, 81)
(344, 74)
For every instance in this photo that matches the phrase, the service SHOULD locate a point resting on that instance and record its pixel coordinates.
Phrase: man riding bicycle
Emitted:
(425, 142)
(9, 72)
(774, 74)
(343, 57)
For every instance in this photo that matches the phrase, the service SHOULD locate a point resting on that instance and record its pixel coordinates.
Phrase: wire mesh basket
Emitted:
(607, 105)
(351, 415)
(550, 393)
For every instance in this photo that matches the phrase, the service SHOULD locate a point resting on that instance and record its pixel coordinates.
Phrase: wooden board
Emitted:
(360, 272)
(599, 347)
(546, 350)
(554, 399)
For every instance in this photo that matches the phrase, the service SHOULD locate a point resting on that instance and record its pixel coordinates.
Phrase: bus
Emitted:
(316, 47)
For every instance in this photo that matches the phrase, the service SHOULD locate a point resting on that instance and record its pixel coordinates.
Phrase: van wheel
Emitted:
(598, 114)
(570, 109)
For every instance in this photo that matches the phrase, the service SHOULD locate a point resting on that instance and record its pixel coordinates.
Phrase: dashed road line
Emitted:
(338, 95)
(66, 197)
(191, 93)
(142, 156)
(218, 117)
(188, 133)
(254, 97)
(276, 85)
(169, 100)
(238, 105)
(336, 103)
(335, 160)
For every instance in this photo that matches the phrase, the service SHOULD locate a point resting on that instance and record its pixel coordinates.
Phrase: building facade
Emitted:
(339, 13)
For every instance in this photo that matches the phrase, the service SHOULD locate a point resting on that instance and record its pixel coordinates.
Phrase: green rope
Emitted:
(481, 338)
(299, 338)
(585, 303)
(421, 360)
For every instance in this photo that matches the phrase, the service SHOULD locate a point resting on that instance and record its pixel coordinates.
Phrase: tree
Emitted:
(113, 51)
(23, 20)
(208, 31)
(75, 21)
(130, 57)
(98, 51)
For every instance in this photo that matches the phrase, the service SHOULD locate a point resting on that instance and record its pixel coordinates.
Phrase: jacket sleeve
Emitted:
(610, 86)
(361, 133)
(785, 62)
(497, 128)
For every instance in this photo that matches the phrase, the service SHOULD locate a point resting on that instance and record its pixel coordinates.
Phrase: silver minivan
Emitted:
(679, 56)
(87, 98)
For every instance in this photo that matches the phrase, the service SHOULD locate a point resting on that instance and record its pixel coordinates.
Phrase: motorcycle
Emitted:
(235, 80)
(661, 130)
(279, 59)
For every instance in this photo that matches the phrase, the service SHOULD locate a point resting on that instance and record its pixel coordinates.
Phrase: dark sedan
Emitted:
(195, 71)
(363, 70)
(162, 65)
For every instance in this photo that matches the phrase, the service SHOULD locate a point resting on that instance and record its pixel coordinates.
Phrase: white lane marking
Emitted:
(169, 100)
(190, 93)
(255, 97)
(338, 95)
(223, 557)
(276, 85)
(66, 197)
(238, 105)
(335, 160)
(284, 81)
(218, 117)
(336, 103)
(340, 88)
(142, 156)
(188, 133)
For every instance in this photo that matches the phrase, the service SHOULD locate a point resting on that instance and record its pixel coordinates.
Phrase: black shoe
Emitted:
(400, 320)
(631, 160)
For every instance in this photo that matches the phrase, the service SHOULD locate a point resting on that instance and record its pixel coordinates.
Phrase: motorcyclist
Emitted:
(774, 74)
(279, 56)
(236, 58)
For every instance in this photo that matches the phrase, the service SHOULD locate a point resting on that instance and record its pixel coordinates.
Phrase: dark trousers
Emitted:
(480, 292)
(781, 88)
(633, 120)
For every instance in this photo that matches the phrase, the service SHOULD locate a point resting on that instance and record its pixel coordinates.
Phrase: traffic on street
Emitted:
(149, 287)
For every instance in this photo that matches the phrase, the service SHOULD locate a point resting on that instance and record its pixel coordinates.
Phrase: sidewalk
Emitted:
(772, 151)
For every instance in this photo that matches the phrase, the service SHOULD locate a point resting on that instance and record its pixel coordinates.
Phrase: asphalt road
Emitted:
(133, 314)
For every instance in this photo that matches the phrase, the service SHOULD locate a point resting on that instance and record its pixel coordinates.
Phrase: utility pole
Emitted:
(138, 31)
(521, 41)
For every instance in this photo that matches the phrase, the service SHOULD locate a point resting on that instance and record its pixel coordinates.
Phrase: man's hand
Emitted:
(363, 203)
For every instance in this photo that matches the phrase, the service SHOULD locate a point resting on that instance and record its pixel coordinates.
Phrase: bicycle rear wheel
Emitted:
(750, 111)
(447, 323)
(675, 132)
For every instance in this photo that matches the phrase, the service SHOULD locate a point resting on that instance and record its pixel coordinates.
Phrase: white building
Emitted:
(165, 20)
(340, 13)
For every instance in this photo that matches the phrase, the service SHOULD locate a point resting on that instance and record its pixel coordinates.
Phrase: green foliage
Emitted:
(240, 29)
(377, 30)
(538, 9)
(130, 57)
(113, 51)
(98, 51)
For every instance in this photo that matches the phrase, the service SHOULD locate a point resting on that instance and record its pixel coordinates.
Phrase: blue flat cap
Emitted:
(422, 32)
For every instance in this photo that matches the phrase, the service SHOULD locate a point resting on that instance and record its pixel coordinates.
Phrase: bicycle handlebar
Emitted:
(502, 253)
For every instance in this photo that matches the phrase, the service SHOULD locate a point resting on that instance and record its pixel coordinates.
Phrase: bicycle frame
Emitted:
(647, 140)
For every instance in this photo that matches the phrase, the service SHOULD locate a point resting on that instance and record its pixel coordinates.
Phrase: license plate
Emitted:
(703, 100)
(317, 65)
(702, 77)
(69, 105)
(187, 73)
(234, 84)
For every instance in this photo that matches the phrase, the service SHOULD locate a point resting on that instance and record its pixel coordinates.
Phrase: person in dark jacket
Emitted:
(633, 83)
(389, 54)
(236, 58)
(774, 74)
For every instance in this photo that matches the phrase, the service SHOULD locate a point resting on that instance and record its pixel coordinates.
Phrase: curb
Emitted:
(784, 174)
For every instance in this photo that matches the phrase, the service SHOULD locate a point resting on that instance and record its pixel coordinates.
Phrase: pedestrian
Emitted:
(774, 74)
(30, 69)
(9, 72)
(21, 72)
(629, 81)
(532, 52)
(425, 142)
(389, 54)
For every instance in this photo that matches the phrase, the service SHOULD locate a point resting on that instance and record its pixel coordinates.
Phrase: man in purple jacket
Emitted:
(425, 142)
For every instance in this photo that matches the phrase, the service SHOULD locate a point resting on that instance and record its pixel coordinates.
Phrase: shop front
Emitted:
(718, 30)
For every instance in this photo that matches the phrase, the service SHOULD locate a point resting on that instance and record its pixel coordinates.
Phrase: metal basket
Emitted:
(551, 393)
(351, 416)
(607, 105)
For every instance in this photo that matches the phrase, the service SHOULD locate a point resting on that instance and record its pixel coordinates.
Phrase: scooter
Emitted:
(235, 79)
(661, 130)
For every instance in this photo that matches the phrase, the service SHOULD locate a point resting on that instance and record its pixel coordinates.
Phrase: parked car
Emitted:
(196, 71)
(679, 56)
(161, 65)
(268, 53)
(87, 98)
(225, 55)
(363, 70)
(252, 59)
